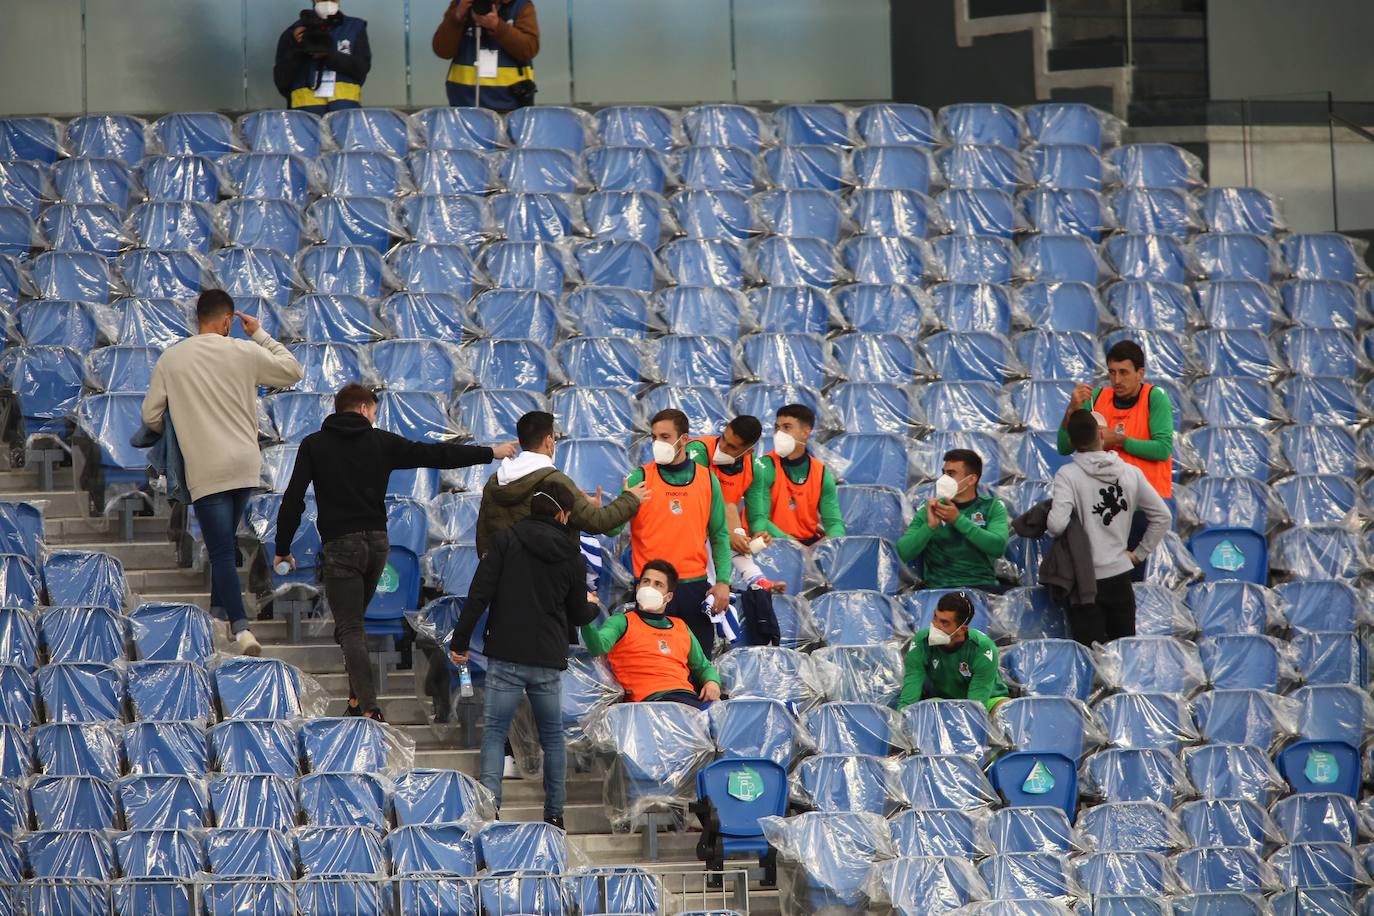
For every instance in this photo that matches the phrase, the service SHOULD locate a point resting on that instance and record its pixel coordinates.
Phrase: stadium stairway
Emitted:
(152, 574)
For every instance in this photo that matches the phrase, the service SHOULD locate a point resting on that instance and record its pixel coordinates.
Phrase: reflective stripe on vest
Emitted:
(797, 506)
(732, 486)
(306, 98)
(345, 35)
(462, 73)
(648, 660)
(673, 524)
(1134, 423)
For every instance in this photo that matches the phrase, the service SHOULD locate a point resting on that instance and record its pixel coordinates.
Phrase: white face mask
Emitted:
(946, 487)
(649, 598)
(719, 457)
(664, 452)
(784, 444)
(326, 9)
(937, 637)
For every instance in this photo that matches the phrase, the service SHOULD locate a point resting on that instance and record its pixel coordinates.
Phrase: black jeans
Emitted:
(685, 697)
(1112, 617)
(686, 606)
(352, 566)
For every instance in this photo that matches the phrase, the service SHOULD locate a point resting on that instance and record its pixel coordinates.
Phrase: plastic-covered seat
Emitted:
(252, 688)
(440, 219)
(892, 212)
(163, 802)
(490, 413)
(196, 134)
(1153, 305)
(859, 562)
(1146, 720)
(1156, 165)
(292, 132)
(944, 782)
(328, 366)
(958, 727)
(822, 168)
(1067, 211)
(370, 129)
(1148, 257)
(1233, 771)
(1051, 667)
(82, 634)
(627, 215)
(1322, 304)
(1062, 258)
(967, 259)
(1159, 211)
(1323, 256)
(858, 617)
(873, 459)
(362, 221)
(974, 166)
(1130, 827)
(708, 361)
(1059, 354)
(47, 380)
(1319, 552)
(1135, 775)
(1028, 876)
(450, 172)
(1237, 256)
(846, 783)
(898, 168)
(97, 228)
(174, 225)
(981, 211)
(1067, 166)
(972, 356)
(250, 800)
(74, 275)
(1240, 210)
(1319, 865)
(1048, 724)
(1239, 401)
(1318, 604)
(982, 123)
(1069, 122)
(973, 307)
(618, 262)
(164, 178)
(1238, 304)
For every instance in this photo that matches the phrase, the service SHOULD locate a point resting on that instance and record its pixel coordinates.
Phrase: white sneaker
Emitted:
(248, 643)
(510, 772)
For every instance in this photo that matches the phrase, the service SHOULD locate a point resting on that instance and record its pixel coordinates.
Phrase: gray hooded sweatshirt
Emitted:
(1106, 492)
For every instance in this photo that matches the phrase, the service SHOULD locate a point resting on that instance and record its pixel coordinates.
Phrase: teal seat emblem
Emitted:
(1321, 768)
(745, 784)
(390, 580)
(1227, 556)
(1039, 781)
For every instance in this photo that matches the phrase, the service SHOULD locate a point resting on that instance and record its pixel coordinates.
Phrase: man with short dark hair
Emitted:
(654, 656)
(1104, 491)
(1139, 419)
(506, 496)
(793, 493)
(728, 456)
(209, 385)
(960, 536)
(683, 523)
(349, 462)
(950, 660)
(531, 583)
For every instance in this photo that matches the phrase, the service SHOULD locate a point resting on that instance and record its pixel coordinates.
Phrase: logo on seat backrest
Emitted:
(745, 784)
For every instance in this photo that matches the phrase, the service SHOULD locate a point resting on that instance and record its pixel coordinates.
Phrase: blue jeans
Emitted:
(219, 515)
(506, 683)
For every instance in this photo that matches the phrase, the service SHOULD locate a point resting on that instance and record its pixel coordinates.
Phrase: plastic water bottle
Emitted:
(282, 568)
(464, 680)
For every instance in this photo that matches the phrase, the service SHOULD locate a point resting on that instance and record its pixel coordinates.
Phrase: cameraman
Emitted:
(322, 60)
(509, 35)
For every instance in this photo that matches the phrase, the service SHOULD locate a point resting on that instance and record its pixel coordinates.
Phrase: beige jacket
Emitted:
(210, 384)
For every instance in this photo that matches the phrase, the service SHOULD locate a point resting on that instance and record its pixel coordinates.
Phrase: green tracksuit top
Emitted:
(969, 672)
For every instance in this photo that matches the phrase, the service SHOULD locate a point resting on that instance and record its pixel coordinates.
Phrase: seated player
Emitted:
(793, 493)
(655, 657)
(949, 660)
(961, 534)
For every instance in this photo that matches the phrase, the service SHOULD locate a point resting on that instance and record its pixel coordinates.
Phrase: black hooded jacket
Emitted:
(533, 581)
(350, 462)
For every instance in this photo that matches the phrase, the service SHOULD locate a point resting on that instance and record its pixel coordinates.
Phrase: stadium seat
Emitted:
(1067, 211)
(847, 783)
(448, 172)
(1233, 771)
(1323, 256)
(169, 692)
(461, 128)
(1051, 667)
(1149, 257)
(343, 800)
(253, 800)
(1129, 827)
(895, 168)
(1238, 304)
(1158, 211)
(1062, 259)
(1135, 775)
(165, 748)
(73, 749)
(48, 381)
(959, 727)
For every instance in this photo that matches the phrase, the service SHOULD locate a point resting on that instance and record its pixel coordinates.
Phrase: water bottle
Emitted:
(282, 568)
(464, 680)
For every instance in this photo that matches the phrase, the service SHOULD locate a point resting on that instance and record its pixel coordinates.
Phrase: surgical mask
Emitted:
(937, 637)
(326, 9)
(784, 444)
(946, 487)
(664, 452)
(719, 457)
(649, 598)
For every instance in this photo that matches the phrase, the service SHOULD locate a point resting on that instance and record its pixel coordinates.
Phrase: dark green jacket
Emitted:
(970, 672)
(503, 506)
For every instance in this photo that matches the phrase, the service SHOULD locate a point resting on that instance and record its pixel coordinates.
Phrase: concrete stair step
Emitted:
(198, 598)
(66, 531)
(153, 555)
(58, 503)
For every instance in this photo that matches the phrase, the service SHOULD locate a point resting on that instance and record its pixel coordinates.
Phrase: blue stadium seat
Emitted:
(1237, 256)
(525, 265)
(524, 217)
(17, 759)
(982, 123)
(343, 800)
(959, 727)
(516, 364)
(894, 212)
(164, 178)
(1318, 818)
(1153, 305)
(878, 459)
(964, 259)
(169, 692)
(1067, 211)
(358, 270)
(73, 275)
(550, 127)
(792, 309)
(535, 847)
(1027, 876)
(715, 213)
(1129, 827)
(461, 128)
(1067, 122)
(627, 215)
(821, 168)
(274, 224)
(490, 413)
(108, 181)
(1148, 257)
(371, 129)
(1323, 256)
(859, 562)
(825, 125)
(1146, 720)
(451, 171)
(268, 176)
(1030, 829)
(1319, 552)
(556, 171)
(253, 688)
(426, 796)
(972, 356)
(1156, 165)
(1233, 771)
(165, 748)
(1242, 660)
(417, 365)
(1240, 210)
(107, 136)
(365, 221)
(973, 307)
(366, 173)
(1238, 401)
(296, 133)
(895, 168)
(718, 168)
(431, 857)
(1157, 211)
(847, 783)
(1067, 166)
(1319, 604)
(122, 369)
(235, 854)
(707, 361)
(877, 357)
(47, 380)
(335, 318)
(1319, 865)
(1062, 258)
(196, 134)
(96, 228)
(785, 261)
(637, 126)
(1234, 502)
(872, 510)
(1135, 775)
(436, 316)
(508, 314)
(1050, 725)
(1238, 304)
(619, 262)
(1051, 667)
(594, 463)
(1320, 449)
(1318, 499)
(852, 728)
(79, 692)
(723, 125)
(1225, 869)
(261, 746)
(1322, 352)
(755, 727)
(163, 802)
(18, 704)
(707, 262)
(71, 803)
(1322, 304)
(443, 219)
(972, 166)
(859, 617)
(1228, 822)
(891, 124)
(1126, 883)
(981, 211)
(249, 800)
(78, 577)
(944, 782)
(1059, 354)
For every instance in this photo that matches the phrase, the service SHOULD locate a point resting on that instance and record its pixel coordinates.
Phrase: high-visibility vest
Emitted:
(346, 94)
(796, 507)
(732, 486)
(462, 73)
(649, 660)
(1134, 423)
(673, 524)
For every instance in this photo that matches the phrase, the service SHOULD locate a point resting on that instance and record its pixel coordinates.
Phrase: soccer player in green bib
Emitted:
(949, 660)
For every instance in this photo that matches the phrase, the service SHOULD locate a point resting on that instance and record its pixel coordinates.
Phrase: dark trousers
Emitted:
(685, 697)
(219, 515)
(352, 566)
(1112, 617)
(1139, 524)
(686, 606)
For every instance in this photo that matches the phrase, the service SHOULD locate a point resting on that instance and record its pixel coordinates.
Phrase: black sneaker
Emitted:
(556, 822)
(375, 713)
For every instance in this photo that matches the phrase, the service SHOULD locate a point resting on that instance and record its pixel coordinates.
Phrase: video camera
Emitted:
(482, 7)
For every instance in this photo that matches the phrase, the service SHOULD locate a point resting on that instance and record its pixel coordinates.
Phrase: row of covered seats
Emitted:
(128, 139)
